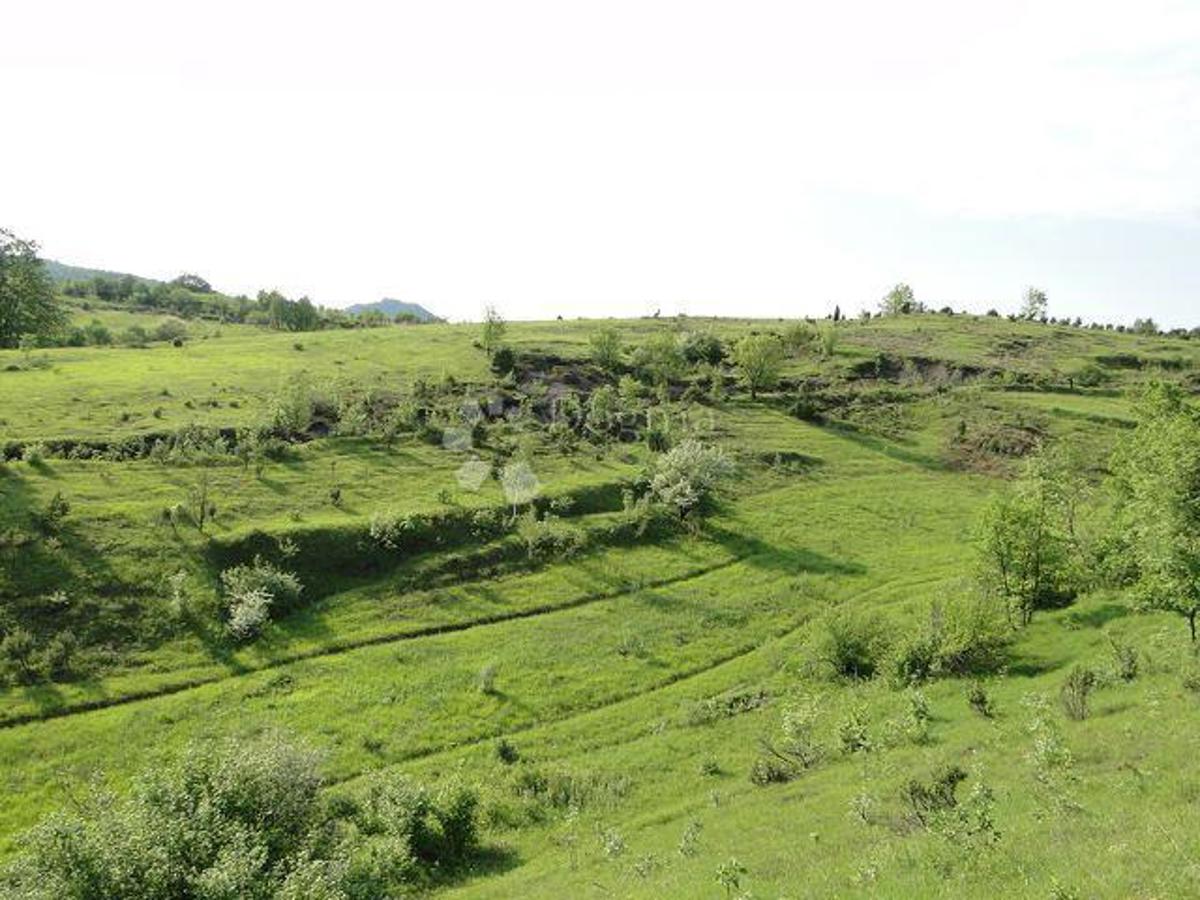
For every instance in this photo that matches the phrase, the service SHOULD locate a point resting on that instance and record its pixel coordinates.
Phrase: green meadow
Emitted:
(484, 602)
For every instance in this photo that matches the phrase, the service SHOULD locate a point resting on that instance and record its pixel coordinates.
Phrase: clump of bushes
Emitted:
(797, 747)
(853, 644)
(389, 529)
(726, 706)
(686, 477)
(247, 820)
(963, 636)
(550, 536)
(25, 660)
(252, 592)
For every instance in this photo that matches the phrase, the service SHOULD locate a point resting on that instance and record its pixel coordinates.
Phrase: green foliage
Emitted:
(253, 592)
(759, 359)
(660, 360)
(852, 645)
(246, 820)
(964, 634)
(1033, 304)
(1076, 692)
(799, 337)
(492, 333)
(504, 360)
(550, 536)
(27, 302)
(1025, 543)
(703, 347)
(687, 475)
(900, 300)
(607, 348)
(1157, 476)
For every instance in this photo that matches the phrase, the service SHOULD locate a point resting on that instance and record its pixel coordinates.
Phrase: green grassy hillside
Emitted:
(607, 680)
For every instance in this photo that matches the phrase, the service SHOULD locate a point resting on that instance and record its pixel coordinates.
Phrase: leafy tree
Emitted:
(1024, 544)
(1145, 326)
(607, 349)
(899, 301)
(1157, 472)
(759, 358)
(494, 327)
(27, 301)
(1033, 304)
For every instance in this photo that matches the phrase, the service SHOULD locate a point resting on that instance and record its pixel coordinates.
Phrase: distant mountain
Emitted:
(391, 308)
(62, 272)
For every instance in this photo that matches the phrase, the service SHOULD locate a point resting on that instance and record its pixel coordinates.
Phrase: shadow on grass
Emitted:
(887, 448)
(484, 862)
(761, 554)
(1098, 617)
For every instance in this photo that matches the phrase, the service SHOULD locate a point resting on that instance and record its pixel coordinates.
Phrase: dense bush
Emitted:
(253, 592)
(963, 635)
(687, 475)
(852, 644)
(1076, 692)
(246, 821)
(550, 536)
(703, 347)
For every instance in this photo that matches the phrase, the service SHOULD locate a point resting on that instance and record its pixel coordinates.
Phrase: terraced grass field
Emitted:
(642, 670)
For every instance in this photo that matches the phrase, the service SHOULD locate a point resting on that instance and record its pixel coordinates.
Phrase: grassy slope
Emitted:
(601, 656)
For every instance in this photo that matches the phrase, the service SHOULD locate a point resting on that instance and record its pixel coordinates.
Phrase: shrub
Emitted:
(703, 346)
(927, 798)
(768, 769)
(504, 360)
(507, 752)
(686, 477)
(388, 529)
(978, 699)
(486, 681)
(1125, 659)
(1076, 692)
(252, 592)
(962, 636)
(798, 337)
(170, 329)
(550, 536)
(853, 644)
(798, 747)
(225, 821)
(58, 657)
(852, 731)
(17, 655)
(606, 347)
(725, 706)
(49, 520)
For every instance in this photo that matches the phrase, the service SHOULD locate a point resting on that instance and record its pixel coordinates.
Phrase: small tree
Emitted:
(27, 302)
(1158, 481)
(899, 301)
(1033, 304)
(1024, 545)
(493, 330)
(758, 358)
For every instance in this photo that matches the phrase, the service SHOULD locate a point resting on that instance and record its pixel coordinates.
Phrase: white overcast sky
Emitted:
(610, 158)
